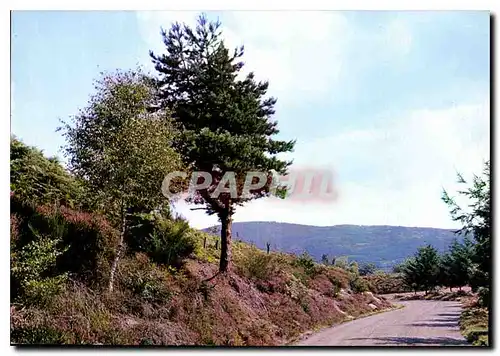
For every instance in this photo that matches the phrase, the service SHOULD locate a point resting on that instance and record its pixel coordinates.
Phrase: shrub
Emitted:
(39, 179)
(359, 285)
(306, 262)
(255, 264)
(336, 287)
(32, 270)
(36, 335)
(87, 240)
(484, 296)
(145, 279)
(167, 241)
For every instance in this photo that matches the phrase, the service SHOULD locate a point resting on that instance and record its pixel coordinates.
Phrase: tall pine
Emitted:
(225, 118)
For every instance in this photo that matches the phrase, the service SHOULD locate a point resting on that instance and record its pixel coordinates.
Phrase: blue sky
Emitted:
(394, 102)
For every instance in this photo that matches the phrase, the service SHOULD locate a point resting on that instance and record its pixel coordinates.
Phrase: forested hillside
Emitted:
(385, 246)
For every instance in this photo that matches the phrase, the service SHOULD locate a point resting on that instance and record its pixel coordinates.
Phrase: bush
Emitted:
(145, 279)
(359, 285)
(484, 296)
(384, 283)
(36, 335)
(306, 262)
(256, 265)
(87, 240)
(336, 287)
(167, 241)
(32, 270)
(38, 179)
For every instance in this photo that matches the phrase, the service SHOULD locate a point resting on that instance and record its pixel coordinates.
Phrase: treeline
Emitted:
(466, 263)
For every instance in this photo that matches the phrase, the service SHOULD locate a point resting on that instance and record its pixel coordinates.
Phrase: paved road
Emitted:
(419, 323)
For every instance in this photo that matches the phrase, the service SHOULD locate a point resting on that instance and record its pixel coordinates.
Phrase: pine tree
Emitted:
(422, 271)
(476, 221)
(225, 119)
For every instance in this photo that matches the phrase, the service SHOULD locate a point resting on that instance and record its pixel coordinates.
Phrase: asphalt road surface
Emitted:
(419, 323)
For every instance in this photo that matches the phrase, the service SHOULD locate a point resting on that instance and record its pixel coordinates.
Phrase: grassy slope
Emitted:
(269, 299)
(474, 323)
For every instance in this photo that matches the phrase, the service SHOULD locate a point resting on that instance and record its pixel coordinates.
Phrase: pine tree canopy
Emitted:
(224, 117)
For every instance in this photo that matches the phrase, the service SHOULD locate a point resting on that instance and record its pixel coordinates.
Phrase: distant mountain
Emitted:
(383, 245)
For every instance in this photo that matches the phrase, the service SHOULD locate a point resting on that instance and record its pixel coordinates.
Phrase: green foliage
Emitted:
(484, 296)
(148, 282)
(120, 150)
(306, 262)
(367, 269)
(36, 335)
(359, 285)
(165, 241)
(86, 240)
(224, 120)
(40, 180)
(32, 270)
(336, 287)
(398, 268)
(257, 265)
(422, 271)
(353, 268)
(456, 265)
(474, 325)
(341, 262)
(476, 220)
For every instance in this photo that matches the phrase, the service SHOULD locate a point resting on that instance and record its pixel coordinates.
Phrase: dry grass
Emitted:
(266, 300)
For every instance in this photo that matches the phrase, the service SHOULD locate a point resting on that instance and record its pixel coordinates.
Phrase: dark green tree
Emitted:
(224, 118)
(446, 277)
(411, 275)
(367, 268)
(461, 256)
(422, 271)
(476, 221)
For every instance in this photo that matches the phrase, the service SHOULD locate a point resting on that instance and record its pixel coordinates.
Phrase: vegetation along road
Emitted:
(419, 323)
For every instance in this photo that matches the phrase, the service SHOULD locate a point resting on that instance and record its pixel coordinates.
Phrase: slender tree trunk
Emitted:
(225, 247)
(119, 251)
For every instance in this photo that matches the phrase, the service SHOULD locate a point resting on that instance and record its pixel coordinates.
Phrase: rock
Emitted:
(335, 305)
(372, 306)
(373, 298)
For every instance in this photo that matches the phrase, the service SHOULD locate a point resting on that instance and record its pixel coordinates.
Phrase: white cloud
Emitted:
(301, 53)
(391, 173)
(399, 170)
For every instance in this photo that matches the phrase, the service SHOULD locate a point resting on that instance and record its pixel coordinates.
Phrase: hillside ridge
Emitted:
(384, 245)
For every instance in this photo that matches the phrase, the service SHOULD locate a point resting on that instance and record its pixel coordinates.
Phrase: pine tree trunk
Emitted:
(225, 248)
(118, 254)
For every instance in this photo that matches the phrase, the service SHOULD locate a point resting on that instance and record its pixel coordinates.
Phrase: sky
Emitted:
(394, 103)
